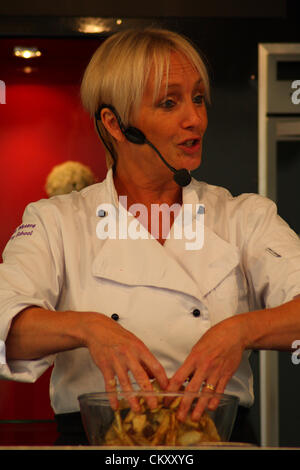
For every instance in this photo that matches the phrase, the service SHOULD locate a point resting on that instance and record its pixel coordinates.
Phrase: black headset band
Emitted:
(114, 111)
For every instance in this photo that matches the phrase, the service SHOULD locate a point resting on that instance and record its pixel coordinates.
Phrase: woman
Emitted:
(131, 307)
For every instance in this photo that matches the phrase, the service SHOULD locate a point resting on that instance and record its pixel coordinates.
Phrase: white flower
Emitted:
(67, 177)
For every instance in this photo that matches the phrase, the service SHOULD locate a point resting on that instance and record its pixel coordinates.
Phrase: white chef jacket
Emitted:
(250, 259)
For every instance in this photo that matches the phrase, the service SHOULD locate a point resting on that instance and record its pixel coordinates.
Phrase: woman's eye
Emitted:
(198, 99)
(168, 104)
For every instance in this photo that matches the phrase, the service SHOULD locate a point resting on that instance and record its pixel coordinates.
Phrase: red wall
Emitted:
(42, 124)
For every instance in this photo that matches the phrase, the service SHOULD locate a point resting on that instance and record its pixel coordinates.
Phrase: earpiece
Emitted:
(134, 135)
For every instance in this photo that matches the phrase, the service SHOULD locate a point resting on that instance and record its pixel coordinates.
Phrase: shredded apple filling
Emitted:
(158, 427)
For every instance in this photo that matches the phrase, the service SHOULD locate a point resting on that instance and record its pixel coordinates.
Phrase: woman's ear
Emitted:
(110, 122)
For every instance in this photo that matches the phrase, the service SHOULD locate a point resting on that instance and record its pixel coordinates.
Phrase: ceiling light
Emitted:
(27, 52)
(92, 25)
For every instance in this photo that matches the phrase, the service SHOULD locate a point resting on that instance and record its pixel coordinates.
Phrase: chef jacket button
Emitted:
(196, 312)
(115, 316)
(101, 213)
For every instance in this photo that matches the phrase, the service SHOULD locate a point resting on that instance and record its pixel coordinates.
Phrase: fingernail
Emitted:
(135, 408)
(181, 416)
(213, 404)
(152, 403)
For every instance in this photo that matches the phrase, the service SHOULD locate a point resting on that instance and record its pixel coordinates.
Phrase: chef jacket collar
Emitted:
(189, 194)
(148, 263)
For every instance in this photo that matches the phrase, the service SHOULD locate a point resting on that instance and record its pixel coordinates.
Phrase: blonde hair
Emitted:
(118, 71)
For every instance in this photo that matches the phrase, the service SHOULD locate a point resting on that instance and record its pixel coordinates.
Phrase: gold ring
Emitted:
(210, 387)
(112, 382)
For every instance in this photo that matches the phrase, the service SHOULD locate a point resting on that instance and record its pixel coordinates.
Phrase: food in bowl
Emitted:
(155, 427)
(159, 427)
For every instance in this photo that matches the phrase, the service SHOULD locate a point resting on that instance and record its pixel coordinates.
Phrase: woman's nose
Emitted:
(192, 115)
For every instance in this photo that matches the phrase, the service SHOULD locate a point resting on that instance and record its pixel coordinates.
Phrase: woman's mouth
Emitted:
(190, 146)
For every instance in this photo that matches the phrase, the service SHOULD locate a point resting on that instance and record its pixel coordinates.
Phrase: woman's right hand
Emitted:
(116, 352)
(36, 333)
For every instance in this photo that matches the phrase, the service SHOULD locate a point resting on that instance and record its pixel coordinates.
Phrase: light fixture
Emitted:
(93, 25)
(27, 70)
(26, 52)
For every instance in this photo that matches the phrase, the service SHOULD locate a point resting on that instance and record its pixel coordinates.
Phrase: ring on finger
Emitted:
(210, 387)
(112, 382)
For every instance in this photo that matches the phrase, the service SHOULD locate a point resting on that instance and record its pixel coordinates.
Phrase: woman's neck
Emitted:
(146, 189)
(153, 195)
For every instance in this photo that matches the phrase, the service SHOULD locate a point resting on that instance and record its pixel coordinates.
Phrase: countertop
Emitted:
(21, 439)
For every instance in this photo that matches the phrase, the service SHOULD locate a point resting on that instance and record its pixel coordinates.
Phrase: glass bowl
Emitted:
(159, 426)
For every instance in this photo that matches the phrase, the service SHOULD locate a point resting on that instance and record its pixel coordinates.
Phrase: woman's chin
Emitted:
(190, 164)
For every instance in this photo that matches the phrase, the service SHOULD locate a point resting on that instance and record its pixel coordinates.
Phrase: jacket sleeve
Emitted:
(31, 274)
(271, 255)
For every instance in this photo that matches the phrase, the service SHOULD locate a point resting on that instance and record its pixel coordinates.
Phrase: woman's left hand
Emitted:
(210, 365)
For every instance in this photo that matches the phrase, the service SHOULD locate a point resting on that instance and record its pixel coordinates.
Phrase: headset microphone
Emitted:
(182, 177)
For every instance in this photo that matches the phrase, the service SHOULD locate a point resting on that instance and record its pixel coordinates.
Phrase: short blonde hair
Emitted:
(118, 71)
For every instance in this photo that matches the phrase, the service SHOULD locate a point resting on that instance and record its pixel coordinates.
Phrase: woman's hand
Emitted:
(117, 351)
(213, 360)
(37, 332)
